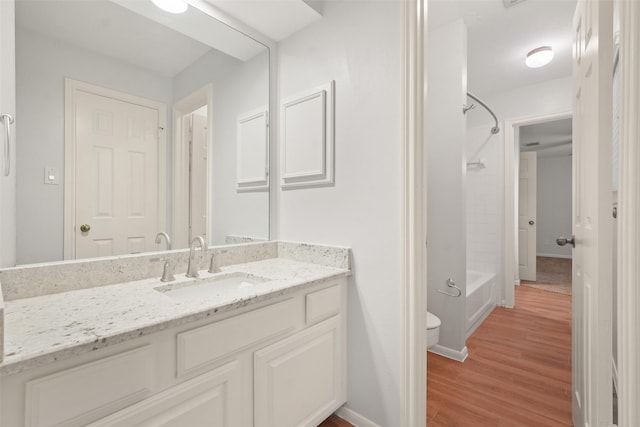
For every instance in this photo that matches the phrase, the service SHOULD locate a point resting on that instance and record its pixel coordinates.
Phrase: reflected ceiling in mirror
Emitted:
(128, 126)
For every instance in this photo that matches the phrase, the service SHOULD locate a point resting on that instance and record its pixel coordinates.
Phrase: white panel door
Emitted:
(7, 106)
(592, 257)
(116, 176)
(198, 177)
(527, 216)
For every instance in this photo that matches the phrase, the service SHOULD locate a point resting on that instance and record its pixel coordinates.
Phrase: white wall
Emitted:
(544, 98)
(359, 45)
(553, 96)
(446, 135)
(42, 64)
(238, 87)
(554, 205)
(484, 201)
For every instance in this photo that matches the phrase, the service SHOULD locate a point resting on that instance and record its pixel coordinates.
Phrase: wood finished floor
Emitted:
(335, 421)
(518, 372)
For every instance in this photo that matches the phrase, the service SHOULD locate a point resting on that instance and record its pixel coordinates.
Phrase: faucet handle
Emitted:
(167, 273)
(167, 270)
(213, 266)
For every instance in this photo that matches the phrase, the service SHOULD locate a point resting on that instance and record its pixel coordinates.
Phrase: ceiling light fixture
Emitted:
(539, 57)
(172, 6)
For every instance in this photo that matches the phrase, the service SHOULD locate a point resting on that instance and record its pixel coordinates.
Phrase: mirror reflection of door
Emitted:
(115, 149)
(197, 172)
(191, 180)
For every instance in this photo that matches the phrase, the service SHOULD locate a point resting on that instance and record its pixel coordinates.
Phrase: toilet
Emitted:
(433, 329)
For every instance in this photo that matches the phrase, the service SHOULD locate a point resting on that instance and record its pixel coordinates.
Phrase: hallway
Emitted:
(552, 274)
(518, 372)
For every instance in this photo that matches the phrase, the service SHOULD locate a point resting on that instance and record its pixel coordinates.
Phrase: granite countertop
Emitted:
(43, 329)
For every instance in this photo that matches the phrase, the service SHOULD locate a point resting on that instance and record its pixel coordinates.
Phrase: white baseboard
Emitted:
(555, 256)
(354, 418)
(460, 356)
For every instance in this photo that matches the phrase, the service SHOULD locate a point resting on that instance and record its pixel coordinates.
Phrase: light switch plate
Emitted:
(51, 175)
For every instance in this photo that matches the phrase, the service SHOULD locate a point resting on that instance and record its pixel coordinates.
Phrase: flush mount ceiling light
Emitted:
(171, 6)
(539, 57)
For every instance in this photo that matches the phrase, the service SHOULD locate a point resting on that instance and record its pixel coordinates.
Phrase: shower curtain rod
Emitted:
(494, 129)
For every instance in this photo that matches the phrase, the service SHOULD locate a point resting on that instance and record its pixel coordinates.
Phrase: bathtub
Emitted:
(481, 300)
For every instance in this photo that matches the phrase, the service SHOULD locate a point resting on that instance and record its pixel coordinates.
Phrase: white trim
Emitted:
(555, 256)
(326, 116)
(8, 105)
(196, 99)
(511, 153)
(628, 219)
(259, 182)
(71, 88)
(614, 370)
(354, 418)
(413, 256)
(274, 147)
(449, 353)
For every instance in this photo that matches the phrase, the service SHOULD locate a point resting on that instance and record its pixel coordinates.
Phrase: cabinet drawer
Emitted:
(211, 399)
(323, 304)
(82, 394)
(202, 346)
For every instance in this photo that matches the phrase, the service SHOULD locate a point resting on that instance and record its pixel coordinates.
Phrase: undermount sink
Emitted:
(218, 285)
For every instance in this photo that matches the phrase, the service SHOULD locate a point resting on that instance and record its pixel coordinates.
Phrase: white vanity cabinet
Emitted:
(274, 363)
(299, 380)
(211, 399)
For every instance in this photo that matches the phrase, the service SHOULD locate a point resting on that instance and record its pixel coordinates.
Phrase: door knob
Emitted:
(531, 222)
(85, 228)
(561, 241)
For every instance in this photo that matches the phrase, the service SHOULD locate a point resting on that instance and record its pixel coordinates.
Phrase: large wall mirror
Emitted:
(134, 122)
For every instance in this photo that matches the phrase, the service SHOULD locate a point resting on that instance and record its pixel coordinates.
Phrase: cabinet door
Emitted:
(213, 399)
(299, 381)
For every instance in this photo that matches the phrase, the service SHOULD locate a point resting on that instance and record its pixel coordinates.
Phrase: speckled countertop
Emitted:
(43, 329)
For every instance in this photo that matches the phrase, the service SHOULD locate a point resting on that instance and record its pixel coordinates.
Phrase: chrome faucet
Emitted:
(192, 268)
(159, 237)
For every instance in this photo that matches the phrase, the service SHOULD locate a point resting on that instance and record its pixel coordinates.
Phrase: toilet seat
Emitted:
(433, 321)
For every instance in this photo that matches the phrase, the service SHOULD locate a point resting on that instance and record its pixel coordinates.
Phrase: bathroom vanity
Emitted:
(261, 343)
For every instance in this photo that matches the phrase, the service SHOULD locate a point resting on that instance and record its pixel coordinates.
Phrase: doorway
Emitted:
(553, 132)
(544, 204)
(193, 124)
